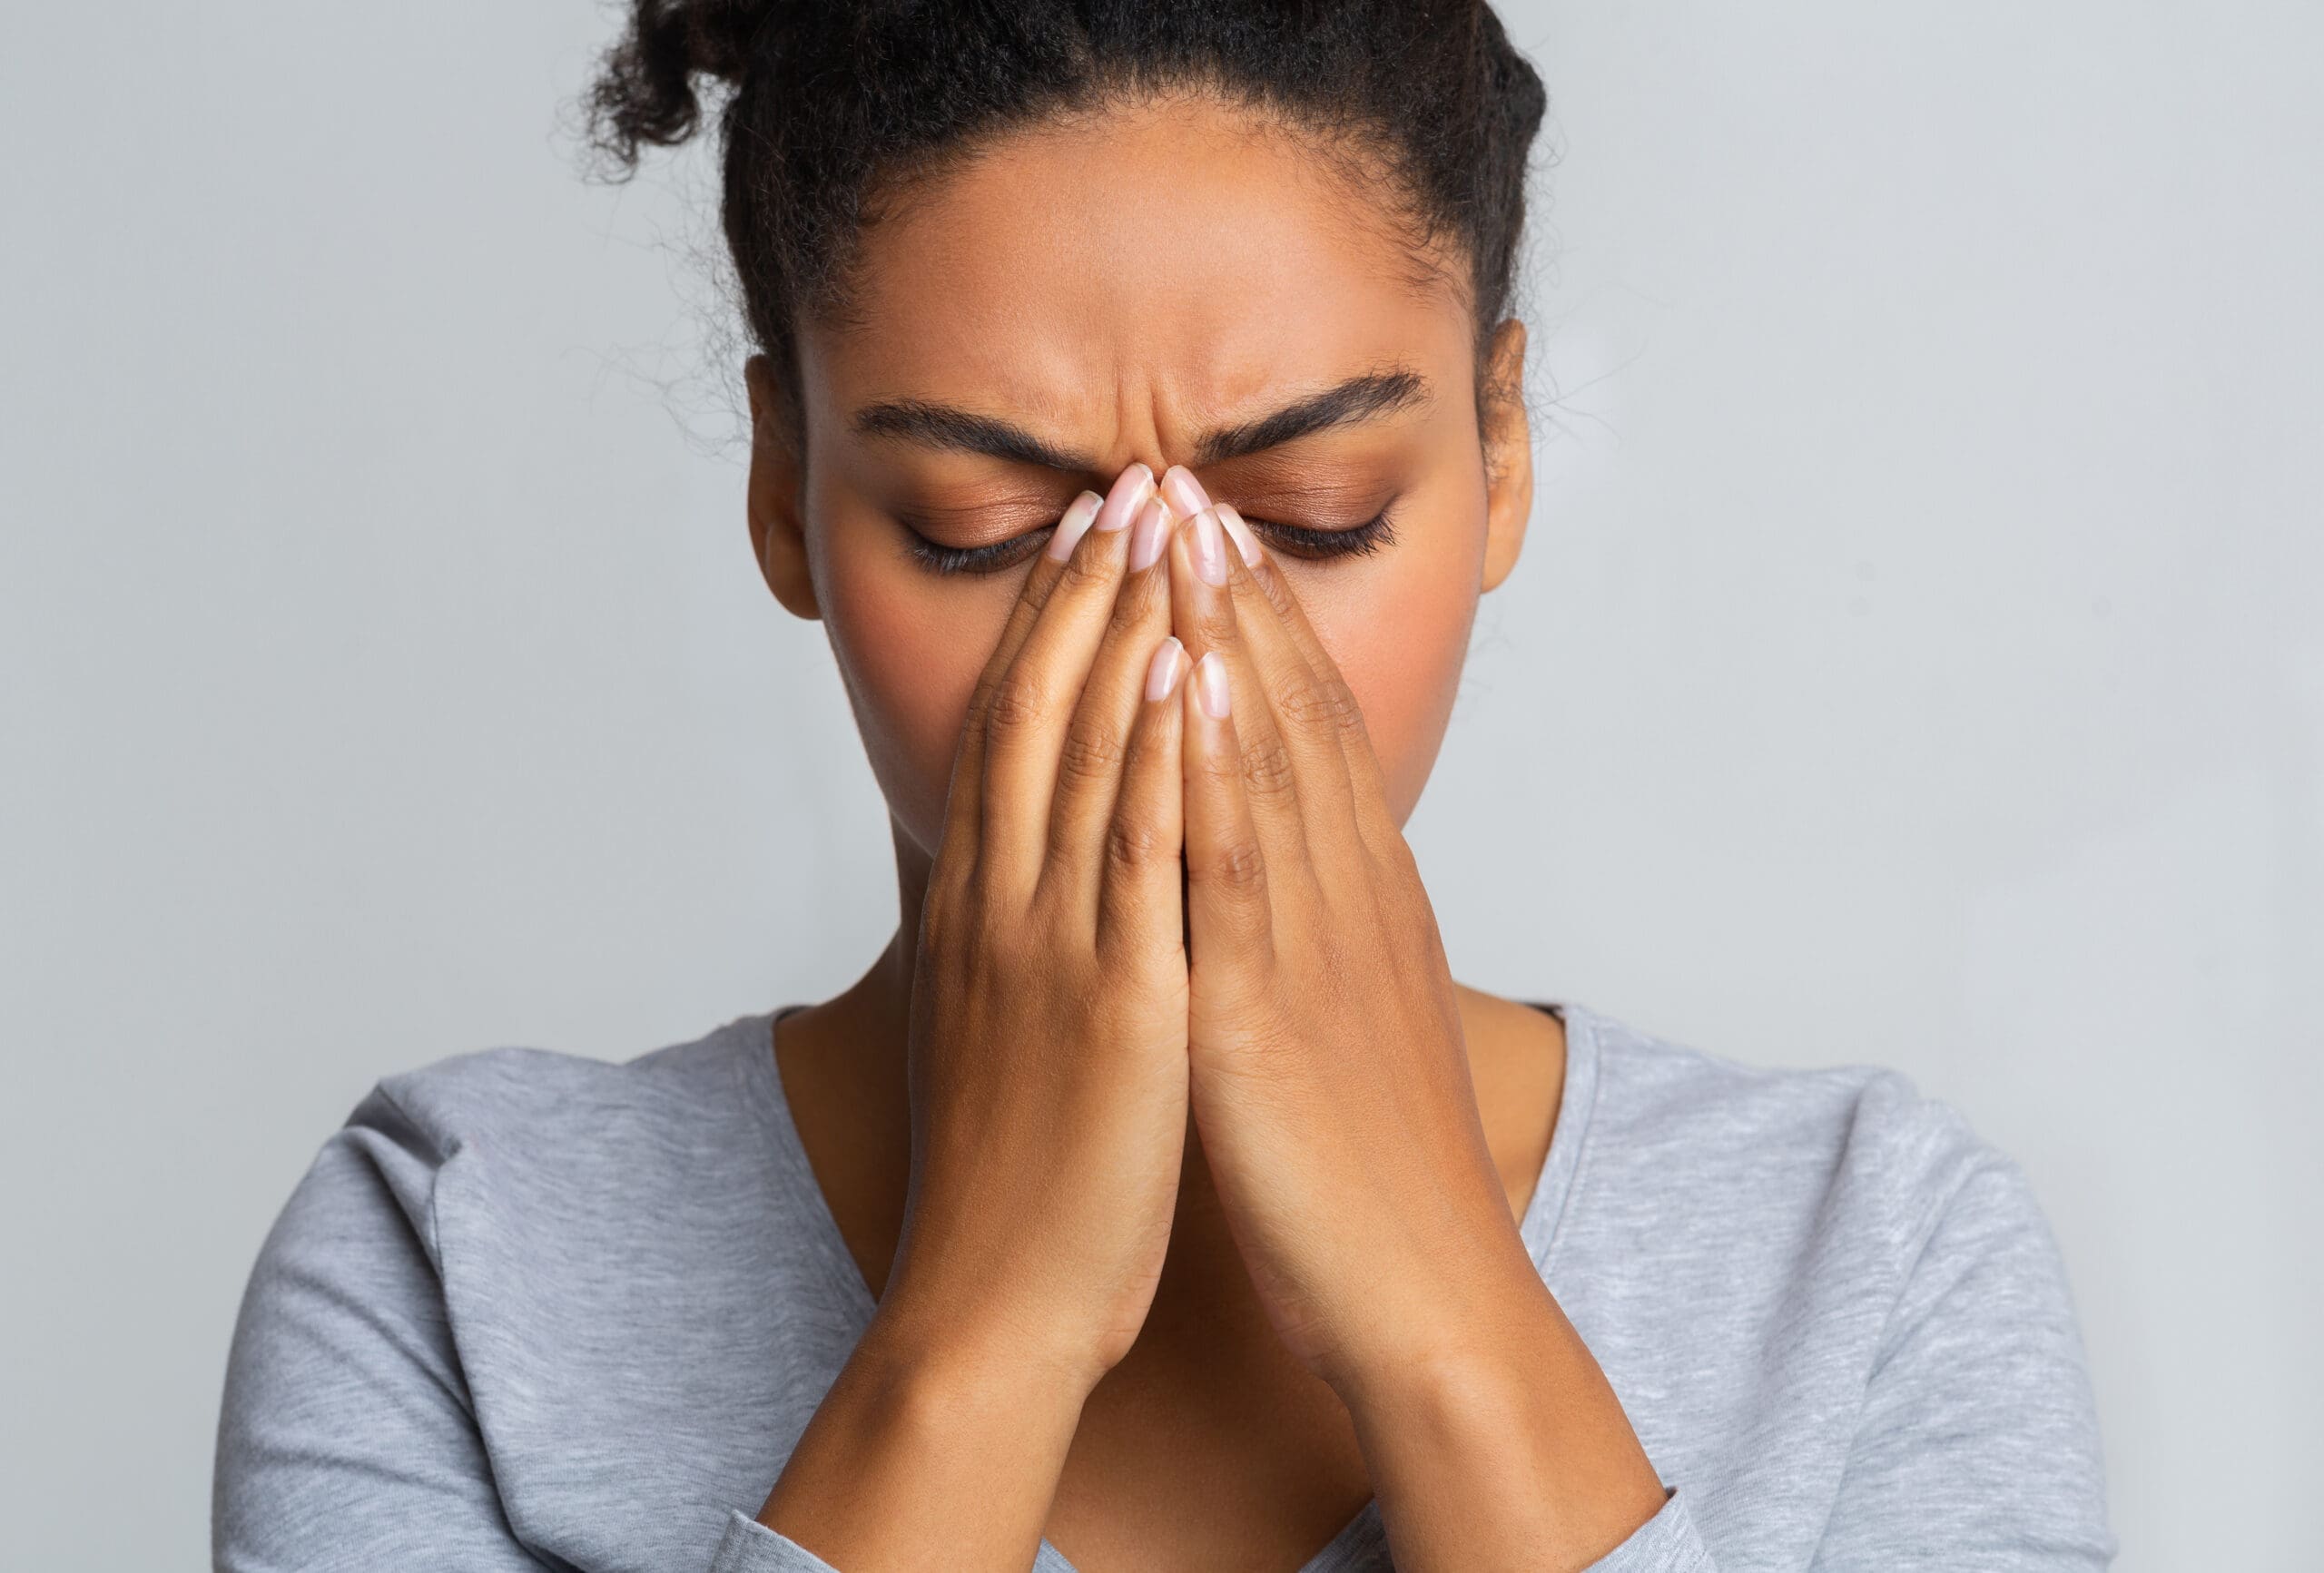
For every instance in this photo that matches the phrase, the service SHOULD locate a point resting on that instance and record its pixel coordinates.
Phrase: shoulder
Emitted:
(527, 1098)
(577, 1250)
(519, 1126)
(1843, 1186)
(1857, 1139)
(1837, 1236)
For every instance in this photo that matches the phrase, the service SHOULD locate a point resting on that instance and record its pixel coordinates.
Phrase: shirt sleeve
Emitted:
(750, 1547)
(1977, 1445)
(347, 1438)
(1669, 1542)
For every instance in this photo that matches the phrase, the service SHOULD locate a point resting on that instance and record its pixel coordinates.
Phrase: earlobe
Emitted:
(774, 505)
(1508, 438)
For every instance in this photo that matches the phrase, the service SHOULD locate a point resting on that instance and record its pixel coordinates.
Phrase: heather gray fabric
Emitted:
(530, 1311)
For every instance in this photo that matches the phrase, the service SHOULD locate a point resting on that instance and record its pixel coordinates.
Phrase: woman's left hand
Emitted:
(1330, 1091)
(1330, 1077)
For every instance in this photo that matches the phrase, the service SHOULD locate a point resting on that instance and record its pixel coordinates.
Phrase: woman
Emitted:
(1138, 407)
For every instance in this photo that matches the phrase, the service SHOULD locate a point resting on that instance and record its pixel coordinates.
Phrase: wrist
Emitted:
(1448, 1323)
(938, 1431)
(959, 1350)
(1518, 1420)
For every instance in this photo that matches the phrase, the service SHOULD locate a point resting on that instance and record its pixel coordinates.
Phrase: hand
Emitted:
(1047, 1046)
(1330, 1077)
(1331, 1095)
(1046, 1053)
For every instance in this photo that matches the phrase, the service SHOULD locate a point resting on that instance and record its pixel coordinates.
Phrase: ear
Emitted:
(1509, 451)
(777, 485)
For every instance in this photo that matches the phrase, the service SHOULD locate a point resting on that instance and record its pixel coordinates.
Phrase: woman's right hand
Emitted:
(1048, 1074)
(1048, 1046)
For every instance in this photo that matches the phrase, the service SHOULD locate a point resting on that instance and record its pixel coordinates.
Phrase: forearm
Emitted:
(929, 1449)
(1498, 1443)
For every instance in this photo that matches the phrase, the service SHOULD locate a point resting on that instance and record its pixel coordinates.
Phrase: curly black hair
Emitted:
(833, 107)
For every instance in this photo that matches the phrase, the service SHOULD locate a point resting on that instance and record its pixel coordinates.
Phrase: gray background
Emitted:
(1915, 661)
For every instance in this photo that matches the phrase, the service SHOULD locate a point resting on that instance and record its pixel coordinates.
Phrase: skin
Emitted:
(1207, 1200)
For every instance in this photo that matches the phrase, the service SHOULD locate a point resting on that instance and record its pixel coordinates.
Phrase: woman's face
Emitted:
(1171, 284)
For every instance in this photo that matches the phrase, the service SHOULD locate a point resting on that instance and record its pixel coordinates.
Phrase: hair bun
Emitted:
(645, 90)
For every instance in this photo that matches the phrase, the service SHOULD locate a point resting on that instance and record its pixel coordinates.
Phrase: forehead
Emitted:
(1142, 267)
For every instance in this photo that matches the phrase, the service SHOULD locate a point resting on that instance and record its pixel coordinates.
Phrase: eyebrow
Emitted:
(944, 425)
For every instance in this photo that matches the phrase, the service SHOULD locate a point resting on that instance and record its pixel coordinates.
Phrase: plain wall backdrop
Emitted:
(1915, 658)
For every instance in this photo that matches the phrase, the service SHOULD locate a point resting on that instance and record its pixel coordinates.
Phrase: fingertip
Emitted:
(1075, 523)
(1163, 672)
(1245, 543)
(1211, 687)
(1151, 535)
(1185, 493)
(1126, 497)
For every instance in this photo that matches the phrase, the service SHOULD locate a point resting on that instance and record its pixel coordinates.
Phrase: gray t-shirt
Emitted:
(530, 1311)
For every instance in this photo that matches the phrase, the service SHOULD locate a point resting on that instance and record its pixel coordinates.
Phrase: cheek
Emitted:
(910, 648)
(1400, 635)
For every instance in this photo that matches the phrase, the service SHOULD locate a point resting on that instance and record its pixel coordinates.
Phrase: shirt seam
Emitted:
(1585, 1147)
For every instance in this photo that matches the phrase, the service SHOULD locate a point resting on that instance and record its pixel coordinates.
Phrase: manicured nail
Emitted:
(1130, 489)
(1245, 542)
(1074, 526)
(1210, 548)
(1146, 541)
(1184, 492)
(1162, 671)
(1210, 685)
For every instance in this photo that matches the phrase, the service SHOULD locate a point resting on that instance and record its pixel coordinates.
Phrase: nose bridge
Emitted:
(1150, 420)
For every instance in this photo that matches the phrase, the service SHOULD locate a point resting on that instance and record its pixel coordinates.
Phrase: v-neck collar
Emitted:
(1539, 1227)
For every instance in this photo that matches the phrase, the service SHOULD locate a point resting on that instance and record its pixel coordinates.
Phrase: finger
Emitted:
(964, 795)
(1034, 700)
(1337, 702)
(1204, 614)
(1090, 764)
(1230, 918)
(1139, 906)
(1304, 709)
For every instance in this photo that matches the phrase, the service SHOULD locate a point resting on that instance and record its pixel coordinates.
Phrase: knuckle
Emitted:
(1221, 771)
(1132, 846)
(1315, 705)
(1215, 627)
(1268, 770)
(1237, 866)
(1082, 572)
(1090, 754)
(1014, 702)
(1035, 593)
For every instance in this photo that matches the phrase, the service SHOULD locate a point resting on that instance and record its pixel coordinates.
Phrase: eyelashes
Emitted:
(1373, 535)
(1300, 542)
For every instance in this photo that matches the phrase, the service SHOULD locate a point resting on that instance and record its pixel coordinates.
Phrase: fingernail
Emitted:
(1245, 542)
(1153, 531)
(1184, 492)
(1074, 526)
(1162, 671)
(1128, 493)
(1210, 685)
(1210, 548)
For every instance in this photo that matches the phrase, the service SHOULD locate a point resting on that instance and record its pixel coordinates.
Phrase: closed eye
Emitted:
(1301, 541)
(1375, 534)
(991, 559)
